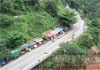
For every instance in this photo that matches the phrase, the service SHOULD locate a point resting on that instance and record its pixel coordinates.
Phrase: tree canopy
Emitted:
(67, 18)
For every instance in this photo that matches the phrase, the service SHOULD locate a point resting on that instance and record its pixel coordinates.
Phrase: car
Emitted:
(2, 63)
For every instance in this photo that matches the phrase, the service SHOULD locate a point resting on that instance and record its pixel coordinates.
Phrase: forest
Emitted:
(24, 20)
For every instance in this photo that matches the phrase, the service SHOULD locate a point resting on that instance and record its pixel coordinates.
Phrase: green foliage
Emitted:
(6, 21)
(17, 7)
(4, 52)
(61, 9)
(32, 2)
(71, 49)
(73, 3)
(37, 22)
(67, 18)
(88, 8)
(86, 40)
(70, 53)
(15, 39)
(28, 23)
(94, 30)
(51, 7)
(25, 31)
(10, 31)
(50, 64)
(9, 7)
(64, 2)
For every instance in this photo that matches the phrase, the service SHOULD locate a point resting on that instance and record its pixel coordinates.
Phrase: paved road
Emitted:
(29, 60)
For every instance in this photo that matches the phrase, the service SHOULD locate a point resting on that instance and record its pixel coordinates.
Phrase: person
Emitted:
(73, 35)
(53, 40)
(45, 53)
(0, 66)
(38, 59)
(69, 38)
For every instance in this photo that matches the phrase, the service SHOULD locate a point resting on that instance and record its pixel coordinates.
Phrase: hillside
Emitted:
(24, 20)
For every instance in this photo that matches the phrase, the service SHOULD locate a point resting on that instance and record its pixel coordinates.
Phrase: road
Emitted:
(31, 59)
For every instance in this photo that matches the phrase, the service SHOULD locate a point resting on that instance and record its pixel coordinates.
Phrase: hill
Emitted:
(25, 20)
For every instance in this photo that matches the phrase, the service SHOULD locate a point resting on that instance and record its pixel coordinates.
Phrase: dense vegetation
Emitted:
(88, 8)
(24, 20)
(90, 12)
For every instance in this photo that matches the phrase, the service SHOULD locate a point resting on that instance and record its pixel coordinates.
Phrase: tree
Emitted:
(86, 40)
(51, 7)
(5, 6)
(25, 31)
(15, 39)
(68, 53)
(4, 51)
(73, 3)
(33, 3)
(5, 20)
(76, 55)
(87, 7)
(16, 7)
(72, 49)
(94, 30)
(67, 18)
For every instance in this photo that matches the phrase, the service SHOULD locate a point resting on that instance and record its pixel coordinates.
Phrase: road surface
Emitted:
(31, 59)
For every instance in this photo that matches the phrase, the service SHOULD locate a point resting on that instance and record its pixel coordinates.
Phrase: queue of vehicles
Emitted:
(33, 44)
